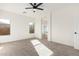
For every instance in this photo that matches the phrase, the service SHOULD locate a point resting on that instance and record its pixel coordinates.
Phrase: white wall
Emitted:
(38, 27)
(19, 27)
(62, 25)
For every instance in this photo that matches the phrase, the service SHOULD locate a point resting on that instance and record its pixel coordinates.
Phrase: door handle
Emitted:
(75, 33)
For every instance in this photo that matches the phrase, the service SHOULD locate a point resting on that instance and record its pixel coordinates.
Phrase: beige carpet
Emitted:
(26, 48)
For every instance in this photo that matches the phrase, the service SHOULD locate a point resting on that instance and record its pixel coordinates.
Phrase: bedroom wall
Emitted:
(19, 27)
(62, 24)
(38, 33)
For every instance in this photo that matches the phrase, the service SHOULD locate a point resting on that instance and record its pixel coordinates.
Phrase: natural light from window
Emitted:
(5, 21)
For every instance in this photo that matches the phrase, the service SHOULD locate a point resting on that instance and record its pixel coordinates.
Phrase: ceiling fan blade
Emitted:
(31, 4)
(29, 8)
(39, 4)
(40, 8)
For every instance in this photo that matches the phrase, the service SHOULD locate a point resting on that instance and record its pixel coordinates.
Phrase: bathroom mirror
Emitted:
(4, 26)
(31, 28)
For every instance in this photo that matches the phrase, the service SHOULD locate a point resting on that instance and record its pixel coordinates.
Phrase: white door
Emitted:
(76, 31)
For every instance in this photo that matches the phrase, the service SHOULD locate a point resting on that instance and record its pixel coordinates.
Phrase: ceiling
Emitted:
(19, 8)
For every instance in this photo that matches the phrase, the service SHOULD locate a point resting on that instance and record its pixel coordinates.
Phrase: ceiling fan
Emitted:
(35, 6)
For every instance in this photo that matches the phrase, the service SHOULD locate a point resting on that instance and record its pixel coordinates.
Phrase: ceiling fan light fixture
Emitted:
(34, 10)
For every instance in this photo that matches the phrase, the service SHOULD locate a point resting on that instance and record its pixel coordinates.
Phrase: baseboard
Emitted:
(63, 43)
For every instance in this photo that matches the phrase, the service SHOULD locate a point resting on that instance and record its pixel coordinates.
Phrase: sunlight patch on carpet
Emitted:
(41, 49)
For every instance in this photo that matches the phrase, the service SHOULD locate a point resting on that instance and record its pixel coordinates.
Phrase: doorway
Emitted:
(44, 30)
